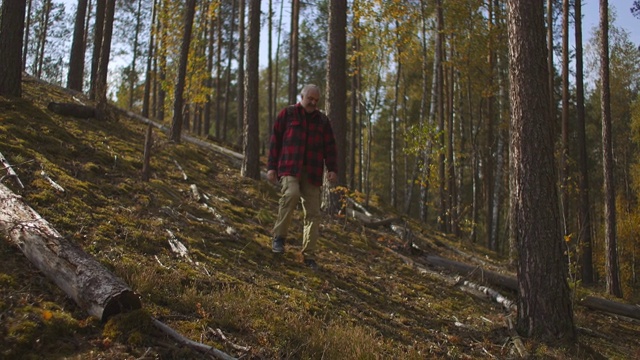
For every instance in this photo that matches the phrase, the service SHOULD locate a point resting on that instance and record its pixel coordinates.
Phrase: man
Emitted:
(302, 143)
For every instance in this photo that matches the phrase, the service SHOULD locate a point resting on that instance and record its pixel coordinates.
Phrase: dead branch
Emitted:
(53, 183)
(220, 334)
(516, 339)
(10, 172)
(184, 175)
(199, 347)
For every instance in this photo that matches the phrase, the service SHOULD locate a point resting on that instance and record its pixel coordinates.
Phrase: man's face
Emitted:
(310, 100)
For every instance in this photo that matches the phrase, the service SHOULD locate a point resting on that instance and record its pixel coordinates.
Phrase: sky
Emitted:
(624, 18)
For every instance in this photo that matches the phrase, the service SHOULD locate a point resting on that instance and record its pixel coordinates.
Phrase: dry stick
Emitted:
(53, 183)
(10, 172)
(517, 341)
(219, 333)
(200, 347)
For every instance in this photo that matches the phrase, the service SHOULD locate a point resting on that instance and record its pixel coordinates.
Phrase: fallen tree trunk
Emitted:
(71, 109)
(476, 272)
(80, 276)
(632, 311)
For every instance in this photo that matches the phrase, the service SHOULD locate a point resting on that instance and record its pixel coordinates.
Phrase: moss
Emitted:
(135, 326)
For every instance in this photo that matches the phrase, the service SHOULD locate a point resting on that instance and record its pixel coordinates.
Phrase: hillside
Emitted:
(366, 301)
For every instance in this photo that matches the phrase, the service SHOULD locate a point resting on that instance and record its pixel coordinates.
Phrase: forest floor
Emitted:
(230, 291)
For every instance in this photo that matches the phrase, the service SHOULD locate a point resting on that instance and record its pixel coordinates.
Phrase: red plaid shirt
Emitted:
(302, 141)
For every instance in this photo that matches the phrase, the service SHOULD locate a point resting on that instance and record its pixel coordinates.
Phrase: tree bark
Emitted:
(76, 60)
(293, 52)
(11, 33)
(98, 31)
(547, 315)
(584, 216)
(178, 102)
(103, 64)
(251, 161)
(241, 94)
(611, 255)
(81, 277)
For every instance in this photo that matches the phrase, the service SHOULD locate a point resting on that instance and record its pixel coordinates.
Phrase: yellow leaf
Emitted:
(47, 315)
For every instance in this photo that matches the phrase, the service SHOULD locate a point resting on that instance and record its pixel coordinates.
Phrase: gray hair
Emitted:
(306, 88)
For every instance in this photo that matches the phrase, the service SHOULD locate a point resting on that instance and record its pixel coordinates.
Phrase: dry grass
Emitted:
(365, 303)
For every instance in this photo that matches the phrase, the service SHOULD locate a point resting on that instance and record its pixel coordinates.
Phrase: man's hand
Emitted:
(332, 177)
(272, 176)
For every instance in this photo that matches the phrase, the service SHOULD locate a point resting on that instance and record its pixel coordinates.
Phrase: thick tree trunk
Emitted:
(293, 52)
(584, 227)
(611, 248)
(251, 142)
(11, 31)
(178, 101)
(80, 276)
(545, 315)
(76, 60)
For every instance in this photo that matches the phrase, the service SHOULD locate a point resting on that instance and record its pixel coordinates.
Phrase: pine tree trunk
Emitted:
(76, 61)
(98, 31)
(11, 32)
(611, 257)
(251, 145)
(146, 97)
(293, 52)
(584, 217)
(241, 74)
(336, 104)
(544, 315)
(178, 103)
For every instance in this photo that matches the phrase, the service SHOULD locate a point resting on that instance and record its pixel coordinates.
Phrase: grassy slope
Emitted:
(365, 303)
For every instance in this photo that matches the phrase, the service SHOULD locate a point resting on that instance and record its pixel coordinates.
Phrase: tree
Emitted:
(97, 46)
(293, 52)
(76, 61)
(336, 92)
(584, 215)
(11, 32)
(241, 74)
(635, 9)
(178, 101)
(103, 63)
(545, 315)
(251, 160)
(611, 256)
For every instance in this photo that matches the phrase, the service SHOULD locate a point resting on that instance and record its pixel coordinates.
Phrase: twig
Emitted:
(10, 172)
(200, 347)
(53, 183)
(219, 333)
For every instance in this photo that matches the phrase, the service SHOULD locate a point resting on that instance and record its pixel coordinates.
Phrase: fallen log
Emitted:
(71, 109)
(80, 276)
(509, 282)
(613, 307)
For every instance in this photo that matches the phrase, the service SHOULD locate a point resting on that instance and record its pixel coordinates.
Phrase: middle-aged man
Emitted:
(302, 143)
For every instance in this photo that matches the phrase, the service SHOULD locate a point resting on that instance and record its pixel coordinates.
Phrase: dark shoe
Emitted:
(311, 264)
(277, 246)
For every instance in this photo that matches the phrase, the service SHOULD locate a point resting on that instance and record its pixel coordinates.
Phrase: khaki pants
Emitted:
(293, 190)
